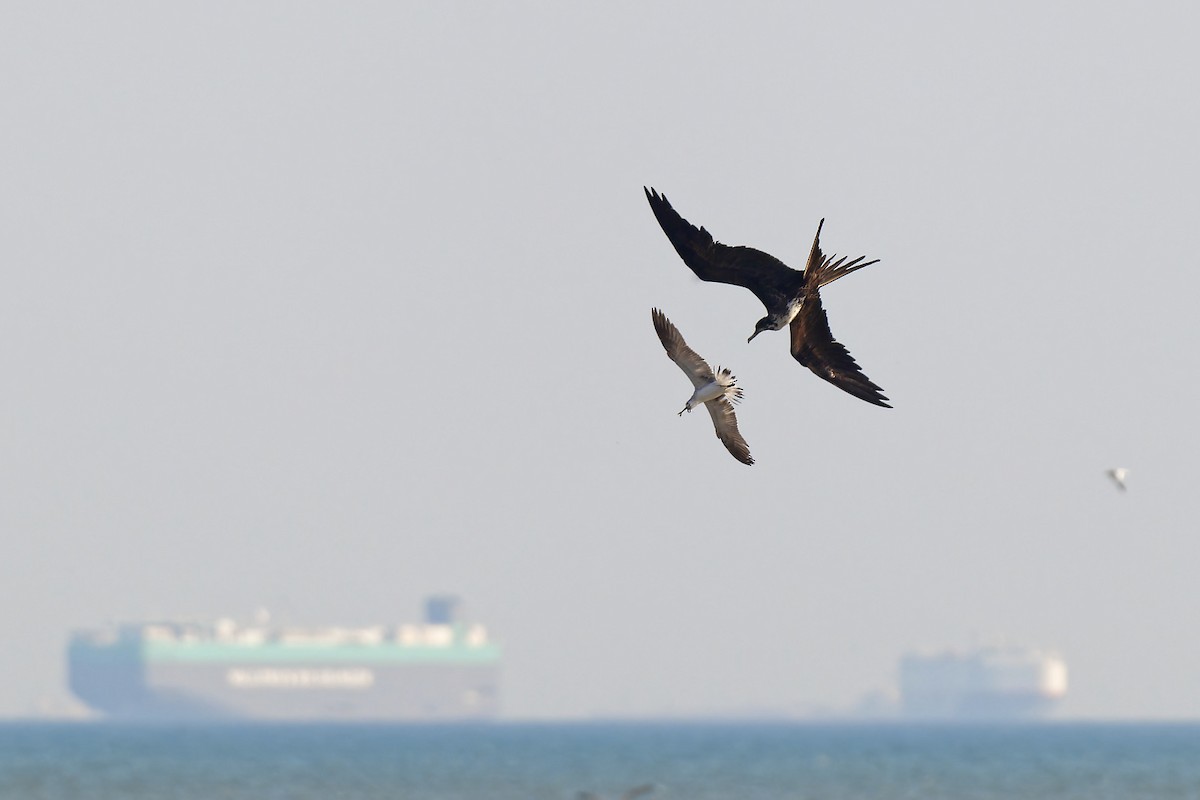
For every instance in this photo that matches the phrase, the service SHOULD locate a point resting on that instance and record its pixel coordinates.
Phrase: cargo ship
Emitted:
(440, 670)
(998, 682)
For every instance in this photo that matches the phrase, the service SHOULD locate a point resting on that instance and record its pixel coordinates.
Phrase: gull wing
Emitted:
(813, 344)
(725, 423)
(771, 281)
(695, 367)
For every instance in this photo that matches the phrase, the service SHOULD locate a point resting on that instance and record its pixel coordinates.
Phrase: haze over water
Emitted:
(327, 307)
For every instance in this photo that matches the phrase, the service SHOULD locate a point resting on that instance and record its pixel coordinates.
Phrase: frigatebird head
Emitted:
(764, 324)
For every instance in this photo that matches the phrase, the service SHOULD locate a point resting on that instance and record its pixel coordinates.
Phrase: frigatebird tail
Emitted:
(837, 267)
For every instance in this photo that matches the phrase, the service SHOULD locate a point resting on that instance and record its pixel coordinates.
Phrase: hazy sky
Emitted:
(324, 307)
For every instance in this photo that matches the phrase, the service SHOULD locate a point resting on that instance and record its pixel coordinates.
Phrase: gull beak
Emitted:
(751, 339)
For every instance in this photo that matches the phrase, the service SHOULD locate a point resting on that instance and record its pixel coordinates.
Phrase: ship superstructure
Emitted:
(999, 682)
(441, 669)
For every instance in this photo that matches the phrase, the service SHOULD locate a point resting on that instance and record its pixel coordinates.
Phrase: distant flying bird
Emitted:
(635, 792)
(791, 297)
(1118, 474)
(717, 391)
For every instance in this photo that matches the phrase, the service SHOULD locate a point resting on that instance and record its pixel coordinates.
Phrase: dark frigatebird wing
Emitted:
(774, 283)
(813, 344)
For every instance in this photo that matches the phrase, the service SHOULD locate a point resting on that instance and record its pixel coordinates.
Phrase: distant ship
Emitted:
(442, 669)
(984, 683)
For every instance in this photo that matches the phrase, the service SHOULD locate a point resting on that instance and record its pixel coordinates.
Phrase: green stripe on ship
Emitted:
(274, 653)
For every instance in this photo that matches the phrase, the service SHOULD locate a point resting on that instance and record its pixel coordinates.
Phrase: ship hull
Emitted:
(121, 681)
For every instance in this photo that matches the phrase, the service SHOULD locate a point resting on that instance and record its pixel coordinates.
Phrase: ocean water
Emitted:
(555, 762)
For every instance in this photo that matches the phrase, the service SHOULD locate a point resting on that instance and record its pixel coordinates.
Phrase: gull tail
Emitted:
(727, 379)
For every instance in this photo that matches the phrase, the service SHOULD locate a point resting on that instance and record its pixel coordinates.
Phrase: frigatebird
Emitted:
(791, 297)
(718, 391)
